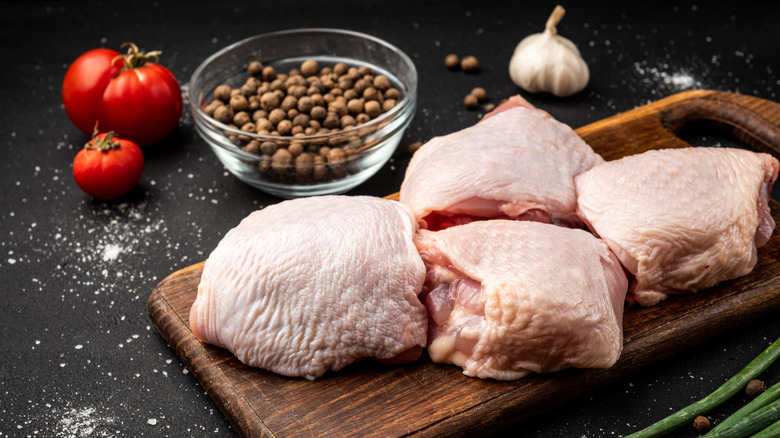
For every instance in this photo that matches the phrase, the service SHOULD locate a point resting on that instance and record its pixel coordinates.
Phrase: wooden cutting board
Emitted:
(426, 399)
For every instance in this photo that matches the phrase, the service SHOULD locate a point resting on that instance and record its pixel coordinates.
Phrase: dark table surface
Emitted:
(79, 354)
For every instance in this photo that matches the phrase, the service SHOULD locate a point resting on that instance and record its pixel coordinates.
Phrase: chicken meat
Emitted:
(516, 163)
(315, 284)
(681, 220)
(508, 298)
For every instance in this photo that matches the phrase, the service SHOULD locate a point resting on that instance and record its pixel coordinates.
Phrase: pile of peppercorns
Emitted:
(304, 107)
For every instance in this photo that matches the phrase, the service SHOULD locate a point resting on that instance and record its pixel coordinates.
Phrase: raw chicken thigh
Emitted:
(509, 298)
(315, 284)
(517, 163)
(681, 220)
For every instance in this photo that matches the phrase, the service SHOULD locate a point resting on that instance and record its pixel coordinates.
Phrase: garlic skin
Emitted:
(548, 62)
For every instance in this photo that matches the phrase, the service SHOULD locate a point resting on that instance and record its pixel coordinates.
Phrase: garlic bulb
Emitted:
(548, 62)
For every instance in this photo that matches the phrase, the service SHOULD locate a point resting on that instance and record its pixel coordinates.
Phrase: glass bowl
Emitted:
(336, 160)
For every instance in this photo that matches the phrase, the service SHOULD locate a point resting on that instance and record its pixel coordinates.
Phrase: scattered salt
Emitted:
(111, 252)
(152, 421)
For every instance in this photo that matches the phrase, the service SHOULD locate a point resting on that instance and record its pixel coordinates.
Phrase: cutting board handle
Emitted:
(752, 120)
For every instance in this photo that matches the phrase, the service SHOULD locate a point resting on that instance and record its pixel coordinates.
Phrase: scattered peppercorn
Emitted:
(414, 146)
(701, 424)
(470, 101)
(469, 64)
(754, 388)
(452, 61)
(479, 93)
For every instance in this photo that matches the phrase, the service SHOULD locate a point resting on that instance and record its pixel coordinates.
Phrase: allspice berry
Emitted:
(414, 146)
(480, 93)
(452, 61)
(754, 388)
(310, 67)
(255, 68)
(470, 101)
(701, 424)
(469, 64)
(222, 93)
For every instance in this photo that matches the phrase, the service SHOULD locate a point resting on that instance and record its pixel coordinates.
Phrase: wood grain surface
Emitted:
(426, 399)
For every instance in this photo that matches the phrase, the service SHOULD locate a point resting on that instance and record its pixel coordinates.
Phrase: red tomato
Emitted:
(108, 167)
(138, 99)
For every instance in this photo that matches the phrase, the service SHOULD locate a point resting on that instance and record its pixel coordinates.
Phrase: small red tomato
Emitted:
(138, 99)
(108, 167)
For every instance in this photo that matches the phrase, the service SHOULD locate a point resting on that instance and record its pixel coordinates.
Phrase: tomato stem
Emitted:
(134, 58)
(104, 144)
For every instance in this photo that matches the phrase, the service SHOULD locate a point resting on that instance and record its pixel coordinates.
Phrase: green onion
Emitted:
(765, 398)
(751, 423)
(770, 432)
(716, 398)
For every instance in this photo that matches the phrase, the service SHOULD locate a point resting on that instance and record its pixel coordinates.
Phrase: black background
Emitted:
(78, 353)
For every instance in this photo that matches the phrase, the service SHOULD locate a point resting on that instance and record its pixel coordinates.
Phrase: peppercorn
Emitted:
(309, 67)
(479, 93)
(248, 127)
(301, 120)
(277, 115)
(304, 166)
(281, 161)
(222, 93)
(470, 101)
(318, 112)
(241, 118)
(269, 74)
(355, 106)
(284, 127)
(371, 93)
(209, 109)
(347, 121)
(469, 64)
(239, 103)
(247, 90)
(289, 103)
(254, 102)
(340, 68)
(701, 424)
(373, 108)
(295, 148)
(381, 83)
(331, 120)
(388, 104)
(754, 388)
(223, 114)
(255, 68)
(345, 83)
(414, 146)
(338, 107)
(268, 148)
(336, 161)
(305, 104)
(452, 61)
(253, 147)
